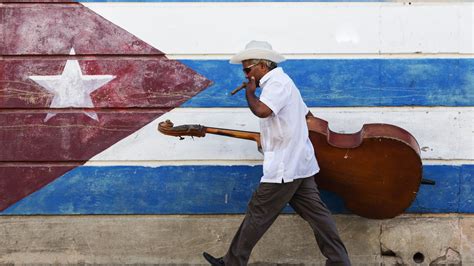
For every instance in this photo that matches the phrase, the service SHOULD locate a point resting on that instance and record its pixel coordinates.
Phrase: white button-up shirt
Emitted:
(288, 152)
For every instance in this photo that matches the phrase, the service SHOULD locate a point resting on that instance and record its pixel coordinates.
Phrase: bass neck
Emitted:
(167, 127)
(240, 134)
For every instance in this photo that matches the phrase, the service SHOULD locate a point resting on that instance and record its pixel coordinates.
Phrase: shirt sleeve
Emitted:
(276, 96)
(305, 108)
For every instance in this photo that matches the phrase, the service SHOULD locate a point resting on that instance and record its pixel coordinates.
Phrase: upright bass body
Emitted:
(377, 171)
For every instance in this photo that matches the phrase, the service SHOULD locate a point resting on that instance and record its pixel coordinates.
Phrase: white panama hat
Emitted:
(257, 50)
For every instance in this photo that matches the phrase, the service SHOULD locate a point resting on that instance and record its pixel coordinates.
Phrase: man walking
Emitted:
(289, 162)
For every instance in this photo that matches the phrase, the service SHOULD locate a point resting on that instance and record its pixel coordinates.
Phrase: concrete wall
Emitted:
(181, 239)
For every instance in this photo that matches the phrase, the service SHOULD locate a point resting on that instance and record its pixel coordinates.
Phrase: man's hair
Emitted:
(271, 65)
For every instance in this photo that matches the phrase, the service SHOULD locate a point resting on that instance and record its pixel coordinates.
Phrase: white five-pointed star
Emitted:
(72, 88)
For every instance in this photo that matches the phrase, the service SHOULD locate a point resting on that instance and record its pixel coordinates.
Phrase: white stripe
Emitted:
(181, 29)
(235, 163)
(331, 56)
(445, 135)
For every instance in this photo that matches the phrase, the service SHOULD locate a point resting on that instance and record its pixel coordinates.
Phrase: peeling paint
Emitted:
(451, 257)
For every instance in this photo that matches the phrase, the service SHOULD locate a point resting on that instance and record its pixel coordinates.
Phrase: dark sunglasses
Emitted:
(249, 68)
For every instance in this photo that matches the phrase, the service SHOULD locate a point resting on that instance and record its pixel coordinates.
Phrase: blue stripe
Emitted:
(352, 82)
(203, 190)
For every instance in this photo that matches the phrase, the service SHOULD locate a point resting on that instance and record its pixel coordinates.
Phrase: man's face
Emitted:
(257, 70)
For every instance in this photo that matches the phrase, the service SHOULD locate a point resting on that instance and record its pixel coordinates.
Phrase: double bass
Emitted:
(376, 171)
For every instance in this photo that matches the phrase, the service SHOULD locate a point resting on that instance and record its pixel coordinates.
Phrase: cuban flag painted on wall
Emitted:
(83, 87)
(73, 84)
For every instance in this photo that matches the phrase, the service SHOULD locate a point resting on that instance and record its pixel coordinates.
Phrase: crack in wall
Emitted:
(387, 254)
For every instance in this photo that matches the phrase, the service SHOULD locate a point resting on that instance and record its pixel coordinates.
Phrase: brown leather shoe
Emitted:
(213, 261)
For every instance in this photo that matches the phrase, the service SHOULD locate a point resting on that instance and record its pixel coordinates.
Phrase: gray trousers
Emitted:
(265, 206)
